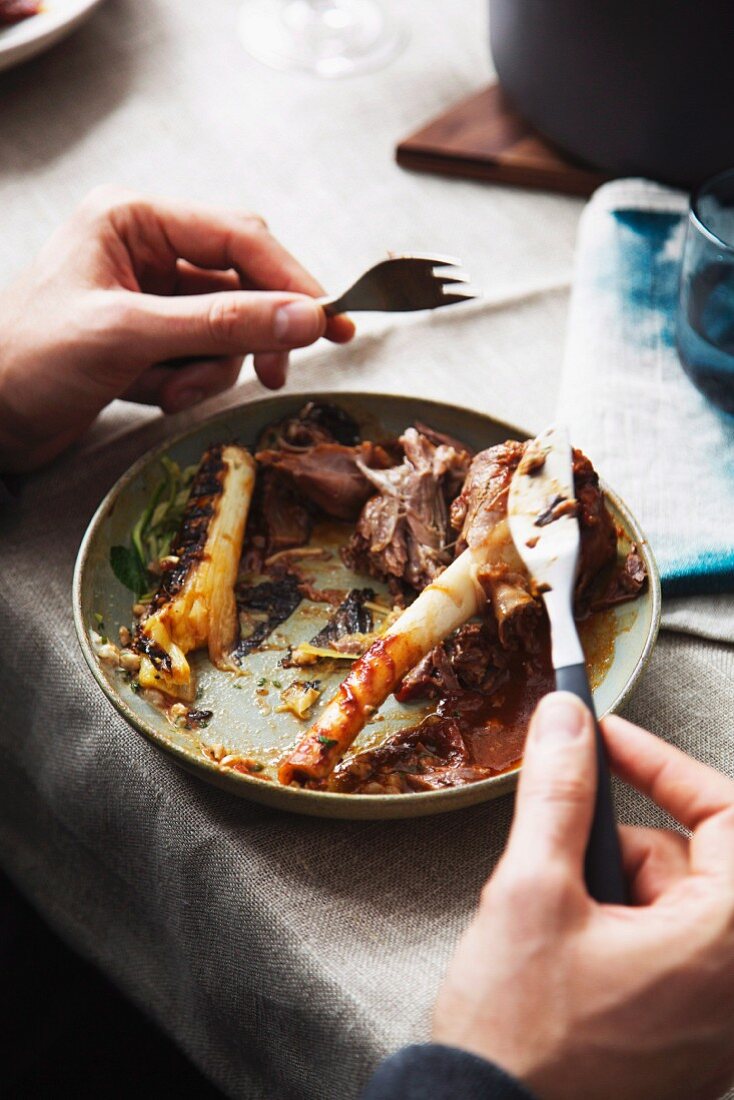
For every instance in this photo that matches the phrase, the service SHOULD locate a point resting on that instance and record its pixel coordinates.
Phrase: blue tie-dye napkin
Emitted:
(631, 407)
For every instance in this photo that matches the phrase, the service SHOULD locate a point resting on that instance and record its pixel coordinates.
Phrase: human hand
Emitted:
(581, 1000)
(127, 284)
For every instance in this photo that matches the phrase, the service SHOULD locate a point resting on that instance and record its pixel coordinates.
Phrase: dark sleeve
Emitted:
(6, 496)
(435, 1072)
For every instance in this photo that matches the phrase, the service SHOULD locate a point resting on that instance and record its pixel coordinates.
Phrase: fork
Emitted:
(401, 284)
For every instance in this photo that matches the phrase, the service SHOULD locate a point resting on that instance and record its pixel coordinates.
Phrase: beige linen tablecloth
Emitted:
(285, 955)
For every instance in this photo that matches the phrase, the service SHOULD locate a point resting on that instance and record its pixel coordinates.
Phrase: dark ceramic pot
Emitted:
(633, 87)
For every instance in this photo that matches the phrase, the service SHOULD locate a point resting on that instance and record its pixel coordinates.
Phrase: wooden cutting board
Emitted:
(484, 138)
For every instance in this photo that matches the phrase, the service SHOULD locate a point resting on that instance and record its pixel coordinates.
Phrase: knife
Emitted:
(542, 514)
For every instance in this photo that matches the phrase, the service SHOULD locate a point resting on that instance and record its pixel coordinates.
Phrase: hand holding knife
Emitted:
(542, 518)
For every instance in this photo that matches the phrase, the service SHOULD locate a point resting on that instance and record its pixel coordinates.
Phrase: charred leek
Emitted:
(195, 603)
(440, 608)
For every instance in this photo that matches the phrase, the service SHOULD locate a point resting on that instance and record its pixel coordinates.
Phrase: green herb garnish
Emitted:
(327, 742)
(154, 530)
(128, 569)
(277, 684)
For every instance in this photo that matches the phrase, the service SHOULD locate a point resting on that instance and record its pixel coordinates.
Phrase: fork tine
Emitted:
(459, 277)
(430, 258)
(465, 296)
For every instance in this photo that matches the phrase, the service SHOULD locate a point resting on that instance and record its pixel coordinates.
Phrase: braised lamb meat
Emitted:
(279, 520)
(329, 475)
(316, 422)
(287, 520)
(482, 504)
(598, 534)
(479, 513)
(430, 756)
(431, 677)
(624, 584)
(315, 455)
(438, 438)
(472, 659)
(403, 532)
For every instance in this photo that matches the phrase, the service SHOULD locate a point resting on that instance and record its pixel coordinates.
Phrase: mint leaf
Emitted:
(125, 564)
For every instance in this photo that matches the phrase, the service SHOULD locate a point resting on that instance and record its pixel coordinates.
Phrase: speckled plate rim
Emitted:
(322, 803)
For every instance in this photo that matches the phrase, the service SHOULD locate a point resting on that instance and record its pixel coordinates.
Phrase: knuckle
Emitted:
(255, 223)
(224, 321)
(113, 317)
(520, 888)
(555, 882)
(725, 818)
(564, 790)
(514, 888)
(107, 197)
(125, 315)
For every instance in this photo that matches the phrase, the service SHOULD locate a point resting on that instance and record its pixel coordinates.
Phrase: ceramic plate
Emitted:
(245, 720)
(29, 37)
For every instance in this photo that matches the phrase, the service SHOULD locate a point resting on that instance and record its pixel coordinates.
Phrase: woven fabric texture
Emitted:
(286, 955)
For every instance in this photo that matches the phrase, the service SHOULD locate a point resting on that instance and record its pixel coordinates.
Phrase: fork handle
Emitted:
(603, 862)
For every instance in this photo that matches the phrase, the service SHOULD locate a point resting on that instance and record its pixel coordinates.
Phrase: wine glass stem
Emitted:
(320, 7)
(328, 37)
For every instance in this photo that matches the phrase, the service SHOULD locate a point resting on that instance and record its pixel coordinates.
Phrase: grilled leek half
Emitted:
(440, 608)
(195, 603)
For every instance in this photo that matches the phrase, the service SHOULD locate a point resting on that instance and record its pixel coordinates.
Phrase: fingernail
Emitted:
(559, 717)
(184, 399)
(297, 323)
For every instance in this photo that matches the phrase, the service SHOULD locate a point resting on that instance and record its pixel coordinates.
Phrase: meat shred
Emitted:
(403, 532)
(472, 659)
(329, 475)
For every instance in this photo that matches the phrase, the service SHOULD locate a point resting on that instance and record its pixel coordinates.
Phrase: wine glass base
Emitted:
(328, 39)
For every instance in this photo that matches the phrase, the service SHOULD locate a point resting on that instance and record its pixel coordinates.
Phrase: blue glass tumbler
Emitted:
(705, 321)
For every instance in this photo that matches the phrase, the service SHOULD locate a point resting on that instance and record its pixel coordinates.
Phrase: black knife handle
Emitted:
(603, 863)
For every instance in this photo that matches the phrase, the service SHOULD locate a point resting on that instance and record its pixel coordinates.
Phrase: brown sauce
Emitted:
(494, 731)
(470, 735)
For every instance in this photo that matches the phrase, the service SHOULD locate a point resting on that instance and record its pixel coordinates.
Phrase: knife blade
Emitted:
(542, 515)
